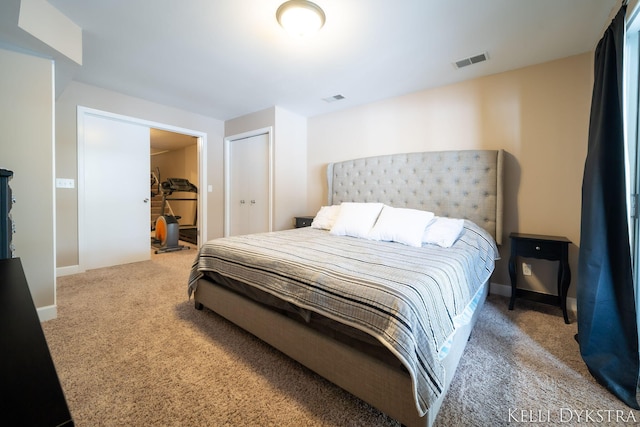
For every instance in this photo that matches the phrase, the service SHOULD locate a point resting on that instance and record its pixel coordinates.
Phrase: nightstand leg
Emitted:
(512, 275)
(564, 279)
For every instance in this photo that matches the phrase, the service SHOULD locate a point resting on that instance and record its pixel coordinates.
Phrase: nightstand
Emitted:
(552, 248)
(304, 221)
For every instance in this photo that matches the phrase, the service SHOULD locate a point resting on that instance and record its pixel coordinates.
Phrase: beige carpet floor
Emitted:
(131, 350)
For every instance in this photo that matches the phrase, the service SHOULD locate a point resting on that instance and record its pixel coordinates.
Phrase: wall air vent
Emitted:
(471, 60)
(333, 98)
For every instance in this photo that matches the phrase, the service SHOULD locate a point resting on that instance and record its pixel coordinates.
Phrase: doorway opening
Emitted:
(113, 186)
(174, 193)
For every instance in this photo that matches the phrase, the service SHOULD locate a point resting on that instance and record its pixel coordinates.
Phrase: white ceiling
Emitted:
(227, 58)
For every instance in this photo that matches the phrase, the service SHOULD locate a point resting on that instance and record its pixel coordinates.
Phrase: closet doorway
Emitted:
(175, 156)
(107, 235)
(248, 159)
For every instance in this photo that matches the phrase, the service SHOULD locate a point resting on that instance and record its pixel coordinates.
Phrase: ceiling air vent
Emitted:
(333, 98)
(471, 60)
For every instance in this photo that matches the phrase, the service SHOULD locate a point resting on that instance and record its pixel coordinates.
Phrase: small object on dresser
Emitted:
(303, 221)
(552, 248)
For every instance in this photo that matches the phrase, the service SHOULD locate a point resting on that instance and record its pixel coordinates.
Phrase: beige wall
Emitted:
(78, 94)
(250, 122)
(291, 167)
(539, 115)
(27, 149)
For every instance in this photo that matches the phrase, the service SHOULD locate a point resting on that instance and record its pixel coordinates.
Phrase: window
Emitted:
(632, 108)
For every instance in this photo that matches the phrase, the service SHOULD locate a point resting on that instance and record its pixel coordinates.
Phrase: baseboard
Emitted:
(505, 291)
(49, 312)
(67, 271)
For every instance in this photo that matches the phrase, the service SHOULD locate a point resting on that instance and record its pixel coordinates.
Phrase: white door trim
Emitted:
(228, 140)
(202, 170)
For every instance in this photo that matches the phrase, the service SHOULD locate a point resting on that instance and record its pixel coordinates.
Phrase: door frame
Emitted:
(81, 112)
(632, 140)
(227, 145)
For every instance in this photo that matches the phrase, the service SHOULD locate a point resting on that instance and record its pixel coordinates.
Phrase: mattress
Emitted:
(410, 300)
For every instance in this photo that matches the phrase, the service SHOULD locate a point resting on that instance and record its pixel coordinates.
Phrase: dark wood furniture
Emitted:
(32, 394)
(304, 221)
(552, 248)
(6, 224)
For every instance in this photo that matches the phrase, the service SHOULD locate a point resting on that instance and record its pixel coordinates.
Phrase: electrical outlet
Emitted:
(65, 183)
(526, 269)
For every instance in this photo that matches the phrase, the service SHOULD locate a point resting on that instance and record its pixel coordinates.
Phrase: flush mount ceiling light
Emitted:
(300, 17)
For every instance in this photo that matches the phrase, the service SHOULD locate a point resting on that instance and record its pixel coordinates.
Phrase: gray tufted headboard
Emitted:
(457, 184)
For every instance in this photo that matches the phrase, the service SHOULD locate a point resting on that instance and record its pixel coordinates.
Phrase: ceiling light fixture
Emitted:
(300, 17)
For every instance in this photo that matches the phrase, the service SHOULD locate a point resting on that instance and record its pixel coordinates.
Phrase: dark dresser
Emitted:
(32, 394)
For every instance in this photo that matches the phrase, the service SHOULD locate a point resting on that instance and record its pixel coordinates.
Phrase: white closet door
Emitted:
(116, 191)
(259, 184)
(249, 185)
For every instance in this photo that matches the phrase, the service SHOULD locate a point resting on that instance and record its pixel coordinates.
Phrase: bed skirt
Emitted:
(385, 387)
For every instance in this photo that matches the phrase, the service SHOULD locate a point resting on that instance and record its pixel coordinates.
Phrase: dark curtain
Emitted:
(607, 326)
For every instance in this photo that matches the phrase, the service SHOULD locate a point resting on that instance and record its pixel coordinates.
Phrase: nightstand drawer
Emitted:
(539, 249)
(303, 221)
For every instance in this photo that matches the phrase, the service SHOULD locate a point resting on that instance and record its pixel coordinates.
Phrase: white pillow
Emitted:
(326, 217)
(401, 225)
(356, 219)
(443, 231)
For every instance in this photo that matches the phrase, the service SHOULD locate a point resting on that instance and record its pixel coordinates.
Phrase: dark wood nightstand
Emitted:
(552, 248)
(304, 221)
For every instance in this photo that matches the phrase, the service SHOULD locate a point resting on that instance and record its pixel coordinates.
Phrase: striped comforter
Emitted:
(405, 297)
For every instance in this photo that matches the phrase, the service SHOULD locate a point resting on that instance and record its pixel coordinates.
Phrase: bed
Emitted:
(382, 314)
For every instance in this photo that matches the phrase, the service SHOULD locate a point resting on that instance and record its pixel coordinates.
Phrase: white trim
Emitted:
(68, 270)
(48, 312)
(80, 113)
(202, 169)
(632, 150)
(228, 140)
(53, 185)
(632, 21)
(202, 190)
